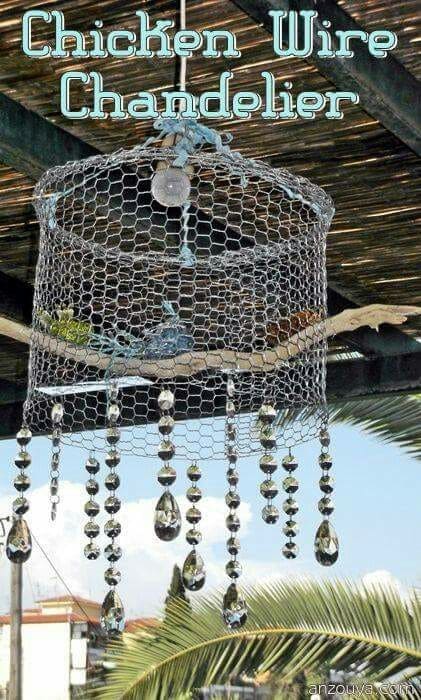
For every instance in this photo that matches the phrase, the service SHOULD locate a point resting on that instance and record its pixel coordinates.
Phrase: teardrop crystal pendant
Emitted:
(167, 517)
(194, 574)
(326, 544)
(19, 542)
(234, 609)
(112, 614)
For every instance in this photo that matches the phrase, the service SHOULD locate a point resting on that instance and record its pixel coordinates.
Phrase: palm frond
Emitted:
(292, 627)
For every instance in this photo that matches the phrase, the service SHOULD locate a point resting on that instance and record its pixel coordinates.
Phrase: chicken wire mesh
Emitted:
(156, 296)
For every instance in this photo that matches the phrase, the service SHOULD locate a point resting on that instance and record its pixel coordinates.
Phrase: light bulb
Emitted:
(171, 187)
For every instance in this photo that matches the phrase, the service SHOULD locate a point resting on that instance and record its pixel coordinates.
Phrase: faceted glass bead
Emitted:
(92, 487)
(267, 438)
(112, 552)
(194, 574)
(193, 536)
(91, 508)
(92, 465)
(232, 499)
(326, 544)
(91, 551)
(326, 484)
(24, 437)
(166, 400)
(112, 481)
(167, 517)
(231, 454)
(270, 514)
(325, 461)
(57, 413)
(166, 450)
(54, 486)
(91, 529)
(324, 438)
(326, 506)
(112, 576)
(268, 489)
(267, 413)
(166, 425)
(56, 437)
(23, 459)
(231, 431)
(19, 542)
(112, 528)
(193, 515)
(234, 569)
(113, 435)
(167, 475)
(290, 484)
(232, 477)
(234, 609)
(194, 473)
(22, 482)
(171, 187)
(20, 506)
(194, 494)
(112, 459)
(289, 463)
(230, 409)
(290, 506)
(230, 387)
(268, 464)
(55, 461)
(113, 413)
(112, 504)
(290, 528)
(113, 391)
(290, 550)
(112, 614)
(233, 545)
(233, 522)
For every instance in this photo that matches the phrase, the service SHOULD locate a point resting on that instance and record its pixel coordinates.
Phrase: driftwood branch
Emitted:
(190, 363)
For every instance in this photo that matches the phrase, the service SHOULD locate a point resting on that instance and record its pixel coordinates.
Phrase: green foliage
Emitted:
(293, 627)
(177, 592)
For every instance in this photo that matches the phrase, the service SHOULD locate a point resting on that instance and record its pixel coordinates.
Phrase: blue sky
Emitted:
(377, 517)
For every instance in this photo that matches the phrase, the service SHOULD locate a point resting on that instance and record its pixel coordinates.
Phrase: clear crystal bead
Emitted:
(91, 508)
(290, 528)
(290, 484)
(20, 506)
(326, 506)
(233, 522)
(112, 505)
(92, 487)
(112, 481)
(112, 459)
(166, 400)
(290, 550)
(234, 609)
(324, 438)
(326, 544)
(230, 409)
(230, 387)
(325, 461)
(194, 473)
(22, 482)
(91, 551)
(167, 517)
(56, 437)
(290, 506)
(267, 413)
(233, 545)
(112, 552)
(193, 536)
(232, 455)
(167, 475)
(112, 614)
(57, 413)
(113, 391)
(55, 461)
(92, 465)
(113, 413)
(23, 459)
(112, 528)
(267, 438)
(234, 569)
(54, 486)
(232, 477)
(289, 463)
(166, 425)
(19, 542)
(268, 489)
(194, 574)
(194, 494)
(270, 514)
(112, 576)
(268, 464)
(24, 437)
(193, 515)
(113, 435)
(231, 431)
(232, 499)
(166, 450)
(91, 529)
(326, 483)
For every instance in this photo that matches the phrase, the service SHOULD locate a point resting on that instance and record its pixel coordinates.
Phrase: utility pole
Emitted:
(15, 676)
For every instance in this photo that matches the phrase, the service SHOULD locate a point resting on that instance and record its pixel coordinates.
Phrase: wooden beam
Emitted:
(388, 92)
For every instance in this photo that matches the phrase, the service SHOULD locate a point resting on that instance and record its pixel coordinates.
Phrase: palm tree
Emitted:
(293, 627)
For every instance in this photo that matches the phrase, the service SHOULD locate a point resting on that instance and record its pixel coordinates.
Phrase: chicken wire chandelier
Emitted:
(176, 281)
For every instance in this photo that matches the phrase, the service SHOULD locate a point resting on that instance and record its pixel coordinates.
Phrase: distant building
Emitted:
(62, 648)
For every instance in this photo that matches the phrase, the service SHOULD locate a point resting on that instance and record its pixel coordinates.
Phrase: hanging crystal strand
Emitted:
(268, 464)
(19, 541)
(234, 609)
(112, 613)
(167, 513)
(290, 506)
(194, 573)
(57, 413)
(91, 529)
(326, 544)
